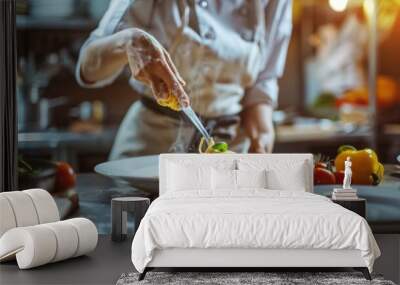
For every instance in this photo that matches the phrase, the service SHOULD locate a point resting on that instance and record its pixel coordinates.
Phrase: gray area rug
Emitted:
(231, 278)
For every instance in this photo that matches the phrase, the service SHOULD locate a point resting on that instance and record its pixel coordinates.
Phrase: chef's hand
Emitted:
(148, 60)
(151, 64)
(257, 123)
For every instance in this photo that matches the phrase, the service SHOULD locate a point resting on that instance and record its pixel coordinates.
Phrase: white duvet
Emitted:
(250, 219)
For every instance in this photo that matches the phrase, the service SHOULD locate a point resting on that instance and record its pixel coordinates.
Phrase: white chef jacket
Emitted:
(230, 57)
(230, 53)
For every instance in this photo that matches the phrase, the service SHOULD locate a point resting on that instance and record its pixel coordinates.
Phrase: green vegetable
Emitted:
(220, 147)
(346, 147)
(325, 100)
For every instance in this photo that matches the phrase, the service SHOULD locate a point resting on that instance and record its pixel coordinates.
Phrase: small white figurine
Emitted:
(347, 174)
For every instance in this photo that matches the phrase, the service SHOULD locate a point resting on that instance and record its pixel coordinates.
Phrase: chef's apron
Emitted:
(146, 130)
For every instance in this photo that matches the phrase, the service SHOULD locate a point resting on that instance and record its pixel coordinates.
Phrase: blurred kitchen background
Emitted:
(342, 54)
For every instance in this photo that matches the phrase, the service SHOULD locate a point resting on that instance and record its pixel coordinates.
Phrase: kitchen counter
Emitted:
(65, 145)
(95, 194)
(319, 133)
(59, 138)
(383, 211)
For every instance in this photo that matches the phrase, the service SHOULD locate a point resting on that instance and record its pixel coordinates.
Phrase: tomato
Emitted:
(323, 176)
(65, 176)
(339, 175)
(387, 94)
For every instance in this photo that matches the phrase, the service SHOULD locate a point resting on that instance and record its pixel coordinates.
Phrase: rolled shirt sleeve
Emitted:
(278, 17)
(107, 26)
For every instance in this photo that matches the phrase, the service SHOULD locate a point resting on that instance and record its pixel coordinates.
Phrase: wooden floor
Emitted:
(103, 266)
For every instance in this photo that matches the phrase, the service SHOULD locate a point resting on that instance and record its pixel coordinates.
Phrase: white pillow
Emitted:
(251, 178)
(282, 174)
(188, 177)
(292, 180)
(231, 180)
(224, 179)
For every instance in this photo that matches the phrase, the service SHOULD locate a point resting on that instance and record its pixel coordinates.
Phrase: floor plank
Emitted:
(102, 266)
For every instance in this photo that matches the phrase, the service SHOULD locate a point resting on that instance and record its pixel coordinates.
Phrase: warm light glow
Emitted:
(338, 5)
(368, 6)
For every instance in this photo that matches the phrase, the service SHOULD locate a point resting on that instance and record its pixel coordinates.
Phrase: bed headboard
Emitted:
(213, 159)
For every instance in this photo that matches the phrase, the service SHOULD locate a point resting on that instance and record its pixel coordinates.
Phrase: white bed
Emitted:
(200, 223)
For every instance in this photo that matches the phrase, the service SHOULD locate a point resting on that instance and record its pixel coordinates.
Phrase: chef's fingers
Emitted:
(251, 130)
(267, 141)
(133, 65)
(176, 87)
(163, 71)
(160, 90)
(256, 146)
(173, 68)
(180, 93)
(144, 77)
(162, 82)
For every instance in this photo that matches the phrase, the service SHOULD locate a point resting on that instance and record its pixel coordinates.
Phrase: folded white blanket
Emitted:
(250, 219)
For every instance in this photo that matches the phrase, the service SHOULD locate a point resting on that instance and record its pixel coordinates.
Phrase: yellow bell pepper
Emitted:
(365, 166)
